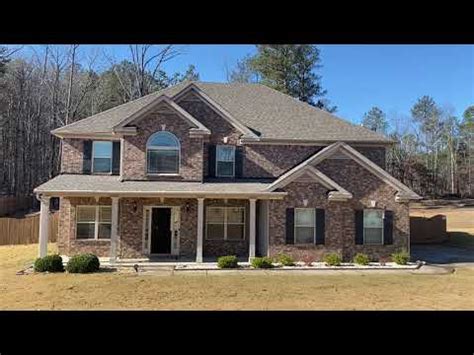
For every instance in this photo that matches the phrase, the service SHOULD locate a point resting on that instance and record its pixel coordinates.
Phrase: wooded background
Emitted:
(57, 85)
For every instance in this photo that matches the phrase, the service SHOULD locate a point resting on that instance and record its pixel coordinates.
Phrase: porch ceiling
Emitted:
(97, 185)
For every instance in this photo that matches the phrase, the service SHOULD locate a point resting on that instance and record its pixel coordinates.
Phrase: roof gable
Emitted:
(198, 127)
(340, 148)
(337, 192)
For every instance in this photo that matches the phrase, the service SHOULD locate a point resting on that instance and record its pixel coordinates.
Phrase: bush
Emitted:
(262, 263)
(83, 263)
(227, 262)
(49, 263)
(333, 259)
(285, 260)
(401, 258)
(362, 259)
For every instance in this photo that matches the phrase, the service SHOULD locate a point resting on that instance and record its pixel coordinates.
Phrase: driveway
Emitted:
(443, 254)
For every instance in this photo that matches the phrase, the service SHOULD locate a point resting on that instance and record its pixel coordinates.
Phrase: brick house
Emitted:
(202, 170)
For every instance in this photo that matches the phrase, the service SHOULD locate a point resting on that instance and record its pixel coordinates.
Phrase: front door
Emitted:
(161, 231)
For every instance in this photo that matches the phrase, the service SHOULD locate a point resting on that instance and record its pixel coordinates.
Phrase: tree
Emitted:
(289, 68)
(375, 120)
(3, 59)
(243, 72)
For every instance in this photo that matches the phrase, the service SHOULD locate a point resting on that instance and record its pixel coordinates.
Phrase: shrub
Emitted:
(401, 258)
(49, 263)
(285, 260)
(262, 263)
(227, 262)
(83, 263)
(361, 259)
(333, 259)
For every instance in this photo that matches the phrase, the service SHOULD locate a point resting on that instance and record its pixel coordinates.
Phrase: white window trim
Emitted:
(226, 208)
(158, 148)
(111, 158)
(217, 160)
(96, 222)
(383, 226)
(313, 226)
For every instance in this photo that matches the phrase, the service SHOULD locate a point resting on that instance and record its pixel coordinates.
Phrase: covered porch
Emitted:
(154, 221)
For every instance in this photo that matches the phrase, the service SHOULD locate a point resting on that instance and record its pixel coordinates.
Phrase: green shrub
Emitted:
(49, 263)
(333, 259)
(262, 263)
(401, 258)
(83, 263)
(227, 262)
(362, 259)
(285, 260)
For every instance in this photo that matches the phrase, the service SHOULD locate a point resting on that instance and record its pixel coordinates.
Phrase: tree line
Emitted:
(57, 85)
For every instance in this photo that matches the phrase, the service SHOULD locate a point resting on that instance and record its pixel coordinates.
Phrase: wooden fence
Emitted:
(26, 230)
(426, 230)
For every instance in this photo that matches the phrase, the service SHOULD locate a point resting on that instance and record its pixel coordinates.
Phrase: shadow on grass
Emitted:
(461, 239)
(107, 270)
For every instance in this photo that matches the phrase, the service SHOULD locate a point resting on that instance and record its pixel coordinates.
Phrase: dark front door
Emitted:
(160, 231)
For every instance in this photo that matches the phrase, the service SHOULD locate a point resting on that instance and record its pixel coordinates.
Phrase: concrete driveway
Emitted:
(443, 254)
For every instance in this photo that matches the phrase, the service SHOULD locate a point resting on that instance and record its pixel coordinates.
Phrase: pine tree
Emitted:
(375, 120)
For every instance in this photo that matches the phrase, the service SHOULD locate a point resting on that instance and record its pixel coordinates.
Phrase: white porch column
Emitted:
(44, 225)
(252, 228)
(200, 230)
(114, 230)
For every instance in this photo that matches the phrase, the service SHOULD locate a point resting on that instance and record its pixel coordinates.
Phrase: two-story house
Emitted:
(209, 169)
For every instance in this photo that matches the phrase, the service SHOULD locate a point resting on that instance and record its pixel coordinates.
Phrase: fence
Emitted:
(26, 230)
(11, 204)
(425, 230)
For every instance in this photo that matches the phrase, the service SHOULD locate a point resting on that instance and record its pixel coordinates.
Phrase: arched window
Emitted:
(163, 151)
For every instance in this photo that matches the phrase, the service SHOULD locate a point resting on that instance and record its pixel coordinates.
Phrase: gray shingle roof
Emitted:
(89, 184)
(270, 113)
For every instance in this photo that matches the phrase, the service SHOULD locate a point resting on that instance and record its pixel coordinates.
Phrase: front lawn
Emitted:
(250, 291)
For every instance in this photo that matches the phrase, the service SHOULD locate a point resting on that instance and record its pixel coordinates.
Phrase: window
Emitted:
(93, 222)
(225, 160)
(373, 227)
(163, 151)
(101, 157)
(305, 221)
(225, 223)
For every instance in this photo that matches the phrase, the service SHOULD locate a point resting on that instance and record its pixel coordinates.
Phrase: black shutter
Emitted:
(388, 228)
(290, 226)
(116, 158)
(211, 161)
(87, 157)
(359, 226)
(320, 225)
(239, 161)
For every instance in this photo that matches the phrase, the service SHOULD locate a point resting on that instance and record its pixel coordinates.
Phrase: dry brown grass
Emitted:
(249, 291)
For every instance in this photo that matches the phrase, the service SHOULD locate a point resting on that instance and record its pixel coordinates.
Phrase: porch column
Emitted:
(44, 225)
(200, 230)
(114, 230)
(252, 229)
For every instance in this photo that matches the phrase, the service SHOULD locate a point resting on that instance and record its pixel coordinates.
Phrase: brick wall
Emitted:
(71, 159)
(134, 150)
(340, 216)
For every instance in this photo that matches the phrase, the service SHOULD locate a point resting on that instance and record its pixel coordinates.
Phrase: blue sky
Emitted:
(357, 77)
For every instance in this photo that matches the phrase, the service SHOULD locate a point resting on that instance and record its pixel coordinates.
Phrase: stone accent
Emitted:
(67, 242)
(71, 156)
(134, 150)
(340, 224)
